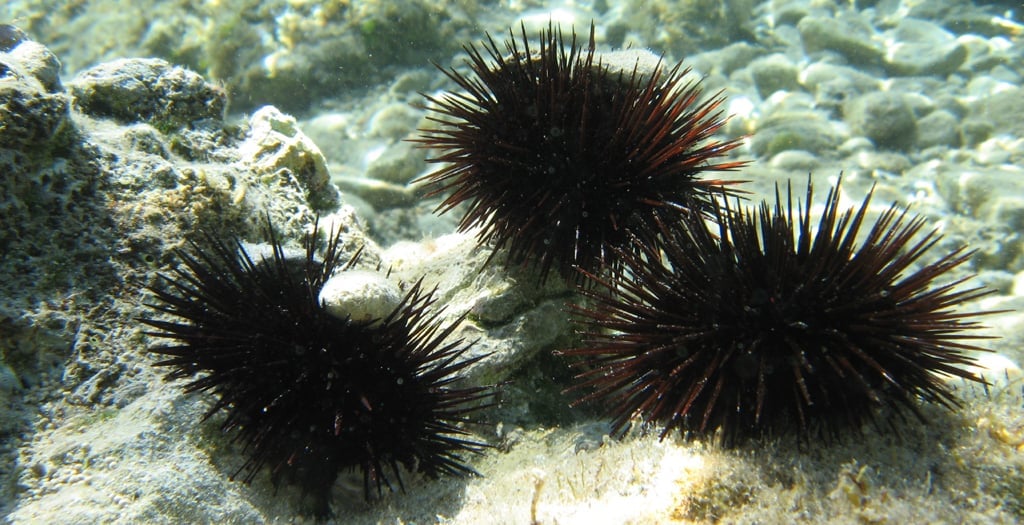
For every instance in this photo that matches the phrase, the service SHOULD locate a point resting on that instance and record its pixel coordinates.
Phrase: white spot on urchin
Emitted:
(360, 295)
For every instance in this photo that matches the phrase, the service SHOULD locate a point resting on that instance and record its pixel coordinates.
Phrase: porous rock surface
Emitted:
(101, 183)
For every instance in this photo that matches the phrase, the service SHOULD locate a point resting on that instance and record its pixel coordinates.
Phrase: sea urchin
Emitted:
(762, 323)
(308, 393)
(560, 159)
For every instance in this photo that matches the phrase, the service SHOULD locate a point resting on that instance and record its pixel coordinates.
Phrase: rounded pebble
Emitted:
(883, 117)
(360, 295)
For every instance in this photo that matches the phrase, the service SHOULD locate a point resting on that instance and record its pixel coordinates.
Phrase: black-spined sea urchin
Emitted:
(308, 393)
(763, 323)
(559, 159)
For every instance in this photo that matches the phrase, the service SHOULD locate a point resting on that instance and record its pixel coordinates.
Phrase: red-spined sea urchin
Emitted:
(559, 159)
(763, 323)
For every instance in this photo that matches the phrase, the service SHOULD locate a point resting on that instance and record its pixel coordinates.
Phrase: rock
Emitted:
(919, 47)
(399, 164)
(983, 86)
(1001, 281)
(977, 192)
(84, 228)
(360, 295)
(774, 73)
(725, 60)
(887, 162)
(411, 83)
(789, 13)
(982, 23)
(833, 85)
(990, 212)
(276, 149)
(794, 160)
(976, 131)
(883, 117)
(340, 138)
(499, 304)
(394, 122)
(382, 195)
(536, 20)
(999, 150)
(848, 36)
(10, 37)
(34, 111)
(913, 91)
(147, 90)
(795, 130)
(1003, 73)
(983, 54)
(952, 104)
(924, 59)
(1001, 111)
(818, 73)
(938, 128)
(978, 196)
(510, 317)
(855, 145)
(1006, 210)
(38, 61)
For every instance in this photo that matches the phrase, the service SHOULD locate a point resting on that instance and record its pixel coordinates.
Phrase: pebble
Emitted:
(919, 47)
(975, 192)
(725, 60)
(1007, 211)
(380, 194)
(883, 117)
(833, 85)
(883, 161)
(849, 36)
(360, 295)
(856, 145)
(993, 152)
(795, 160)
(938, 128)
(398, 163)
(774, 73)
(1001, 108)
(796, 130)
(394, 122)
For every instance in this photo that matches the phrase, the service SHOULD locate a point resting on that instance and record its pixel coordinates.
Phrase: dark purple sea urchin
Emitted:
(762, 323)
(305, 392)
(560, 159)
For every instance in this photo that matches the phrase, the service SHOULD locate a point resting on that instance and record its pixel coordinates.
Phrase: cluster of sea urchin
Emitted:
(308, 393)
(561, 160)
(765, 323)
(750, 328)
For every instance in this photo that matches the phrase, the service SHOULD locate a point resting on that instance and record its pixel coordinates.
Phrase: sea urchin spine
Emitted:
(559, 159)
(308, 393)
(763, 323)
